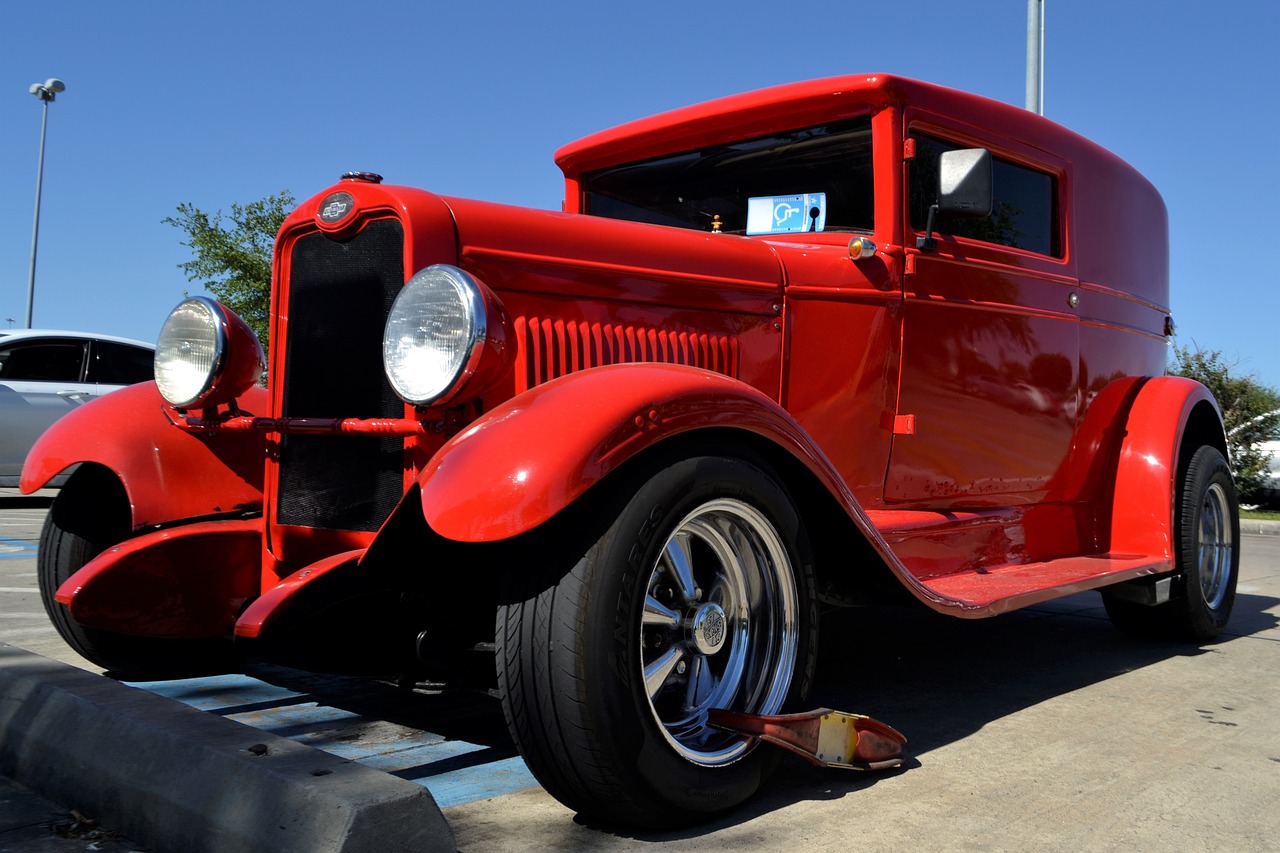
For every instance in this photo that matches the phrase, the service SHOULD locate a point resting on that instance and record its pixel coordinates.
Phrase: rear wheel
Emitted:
(1209, 530)
(89, 515)
(698, 595)
(1208, 558)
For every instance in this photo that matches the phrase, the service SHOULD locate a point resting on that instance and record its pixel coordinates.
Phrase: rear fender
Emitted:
(168, 472)
(1165, 409)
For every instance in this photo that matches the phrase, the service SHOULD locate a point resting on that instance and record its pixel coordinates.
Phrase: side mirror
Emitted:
(964, 189)
(964, 183)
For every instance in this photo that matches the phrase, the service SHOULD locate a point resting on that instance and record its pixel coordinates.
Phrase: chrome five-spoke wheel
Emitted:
(697, 592)
(719, 626)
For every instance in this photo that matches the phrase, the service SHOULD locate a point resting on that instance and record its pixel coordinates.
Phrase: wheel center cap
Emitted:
(709, 628)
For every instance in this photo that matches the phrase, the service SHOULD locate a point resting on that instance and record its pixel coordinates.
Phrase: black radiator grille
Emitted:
(340, 293)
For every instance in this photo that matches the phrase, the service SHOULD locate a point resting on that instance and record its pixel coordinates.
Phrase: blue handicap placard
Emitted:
(786, 214)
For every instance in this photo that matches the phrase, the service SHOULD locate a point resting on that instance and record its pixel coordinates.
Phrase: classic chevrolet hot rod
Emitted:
(815, 345)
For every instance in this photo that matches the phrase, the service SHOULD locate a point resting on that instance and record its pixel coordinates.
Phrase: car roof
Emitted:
(1117, 246)
(8, 336)
(793, 105)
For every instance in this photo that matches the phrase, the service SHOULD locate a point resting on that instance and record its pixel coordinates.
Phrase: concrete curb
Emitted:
(1260, 527)
(176, 778)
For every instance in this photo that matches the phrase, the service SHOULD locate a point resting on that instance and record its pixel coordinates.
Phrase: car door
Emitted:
(990, 337)
(115, 364)
(40, 381)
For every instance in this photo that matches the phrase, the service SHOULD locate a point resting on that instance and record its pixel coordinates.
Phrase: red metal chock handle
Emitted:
(823, 737)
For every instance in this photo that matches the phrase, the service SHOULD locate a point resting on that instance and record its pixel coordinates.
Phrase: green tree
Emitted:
(233, 259)
(1249, 411)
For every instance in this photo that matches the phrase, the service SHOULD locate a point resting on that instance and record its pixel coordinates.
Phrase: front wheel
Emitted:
(89, 515)
(699, 594)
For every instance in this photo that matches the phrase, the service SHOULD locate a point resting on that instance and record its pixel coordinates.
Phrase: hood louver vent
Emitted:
(551, 348)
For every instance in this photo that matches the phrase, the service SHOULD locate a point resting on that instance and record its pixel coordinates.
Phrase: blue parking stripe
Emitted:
(455, 771)
(220, 692)
(460, 787)
(414, 764)
(298, 722)
(16, 549)
(461, 761)
(393, 756)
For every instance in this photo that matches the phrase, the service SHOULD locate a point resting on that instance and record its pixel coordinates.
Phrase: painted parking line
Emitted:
(16, 549)
(455, 771)
(222, 692)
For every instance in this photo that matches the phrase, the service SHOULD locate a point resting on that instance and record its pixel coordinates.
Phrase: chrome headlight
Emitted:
(205, 355)
(439, 329)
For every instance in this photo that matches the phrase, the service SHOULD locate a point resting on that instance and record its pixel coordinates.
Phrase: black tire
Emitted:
(89, 515)
(662, 590)
(1207, 559)
(1208, 551)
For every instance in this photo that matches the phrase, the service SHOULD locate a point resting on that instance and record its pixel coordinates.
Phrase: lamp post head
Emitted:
(48, 90)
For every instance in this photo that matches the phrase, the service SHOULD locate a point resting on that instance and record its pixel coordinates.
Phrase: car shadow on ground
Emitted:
(473, 716)
(939, 679)
(935, 678)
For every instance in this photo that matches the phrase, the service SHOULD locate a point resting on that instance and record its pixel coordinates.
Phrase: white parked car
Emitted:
(1269, 494)
(46, 373)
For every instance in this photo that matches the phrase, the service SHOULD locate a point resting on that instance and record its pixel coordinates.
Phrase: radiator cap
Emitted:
(367, 177)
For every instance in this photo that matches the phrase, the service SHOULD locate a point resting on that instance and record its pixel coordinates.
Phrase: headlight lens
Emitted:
(206, 355)
(189, 351)
(434, 335)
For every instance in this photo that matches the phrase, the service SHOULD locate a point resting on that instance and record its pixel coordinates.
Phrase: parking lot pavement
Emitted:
(31, 824)
(24, 621)
(1043, 729)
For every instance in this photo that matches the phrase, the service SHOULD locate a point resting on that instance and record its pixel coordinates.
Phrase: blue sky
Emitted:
(214, 103)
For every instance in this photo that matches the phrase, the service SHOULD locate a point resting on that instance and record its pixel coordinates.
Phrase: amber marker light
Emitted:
(861, 247)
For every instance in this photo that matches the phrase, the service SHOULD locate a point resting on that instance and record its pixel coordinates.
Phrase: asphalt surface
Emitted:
(1044, 729)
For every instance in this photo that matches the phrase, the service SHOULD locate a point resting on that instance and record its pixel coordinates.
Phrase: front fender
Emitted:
(168, 473)
(534, 455)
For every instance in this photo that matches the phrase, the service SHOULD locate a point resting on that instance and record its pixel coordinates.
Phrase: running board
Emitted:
(1003, 588)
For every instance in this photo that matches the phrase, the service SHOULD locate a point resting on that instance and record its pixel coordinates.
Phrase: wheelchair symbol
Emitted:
(783, 212)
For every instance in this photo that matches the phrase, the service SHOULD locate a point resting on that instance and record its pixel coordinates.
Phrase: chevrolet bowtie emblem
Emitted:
(335, 207)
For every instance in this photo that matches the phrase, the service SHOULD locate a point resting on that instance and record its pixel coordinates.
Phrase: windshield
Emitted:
(822, 174)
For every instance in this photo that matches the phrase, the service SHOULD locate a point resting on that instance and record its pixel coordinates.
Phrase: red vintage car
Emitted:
(835, 342)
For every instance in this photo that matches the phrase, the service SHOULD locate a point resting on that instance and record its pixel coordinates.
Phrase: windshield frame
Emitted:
(708, 188)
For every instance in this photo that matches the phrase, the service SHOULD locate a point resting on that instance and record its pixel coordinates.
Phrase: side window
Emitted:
(120, 364)
(42, 361)
(1025, 209)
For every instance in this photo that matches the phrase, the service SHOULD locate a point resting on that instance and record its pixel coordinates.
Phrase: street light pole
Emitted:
(46, 92)
(1035, 56)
